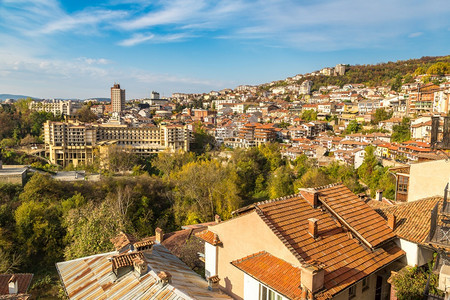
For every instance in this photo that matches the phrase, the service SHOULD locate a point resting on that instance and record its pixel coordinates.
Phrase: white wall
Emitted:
(415, 254)
(428, 179)
(210, 260)
(251, 288)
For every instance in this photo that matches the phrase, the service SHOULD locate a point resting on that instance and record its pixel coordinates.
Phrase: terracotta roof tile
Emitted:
(359, 216)
(272, 271)
(412, 218)
(126, 259)
(123, 239)
(343, 258)
(209, 237)
(23, 281)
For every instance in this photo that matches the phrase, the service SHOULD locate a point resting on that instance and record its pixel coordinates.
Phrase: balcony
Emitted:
(439, 235)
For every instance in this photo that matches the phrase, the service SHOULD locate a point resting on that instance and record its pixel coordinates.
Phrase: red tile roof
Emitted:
(23, 281)
(272, 271)
(337, 251)
(412, 218)
(209, 237)
(359, 217)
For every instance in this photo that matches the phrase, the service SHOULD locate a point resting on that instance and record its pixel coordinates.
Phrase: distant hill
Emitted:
(392, 74)
(15, 97)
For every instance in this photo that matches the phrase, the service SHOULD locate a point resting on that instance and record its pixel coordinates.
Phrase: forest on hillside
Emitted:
(392, 74)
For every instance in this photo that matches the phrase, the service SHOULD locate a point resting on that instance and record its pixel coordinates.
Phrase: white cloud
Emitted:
(139, 38)
(415, 34)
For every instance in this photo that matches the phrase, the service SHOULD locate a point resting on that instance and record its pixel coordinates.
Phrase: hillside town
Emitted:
(267, 233)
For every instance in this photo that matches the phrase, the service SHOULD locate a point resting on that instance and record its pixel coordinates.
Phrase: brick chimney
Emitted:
(310, 195)
(312, 278)
(312, 228)
(379, 195)
(391, 221)
(217, 219)
(159, 235)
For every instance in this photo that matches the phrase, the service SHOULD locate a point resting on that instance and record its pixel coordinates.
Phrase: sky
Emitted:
(80, 48)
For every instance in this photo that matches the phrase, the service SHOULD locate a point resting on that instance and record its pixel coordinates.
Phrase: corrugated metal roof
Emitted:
(92, 278)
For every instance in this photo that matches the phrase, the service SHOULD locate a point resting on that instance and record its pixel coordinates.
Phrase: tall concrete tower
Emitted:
(117, 98)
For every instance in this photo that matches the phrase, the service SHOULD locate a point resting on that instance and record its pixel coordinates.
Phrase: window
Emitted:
(352, 292)
(365, 284)
(403, 184)
(266, 293)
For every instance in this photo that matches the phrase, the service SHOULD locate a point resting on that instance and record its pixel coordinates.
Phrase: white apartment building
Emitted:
(57, 107)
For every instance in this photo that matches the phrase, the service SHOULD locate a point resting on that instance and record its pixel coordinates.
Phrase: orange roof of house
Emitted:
(356, 213)
(209, 237)
(272, 271)
(342, 256)
(126, 259)
(412, 218)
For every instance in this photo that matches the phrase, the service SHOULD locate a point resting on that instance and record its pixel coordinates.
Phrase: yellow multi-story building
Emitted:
(75, 143)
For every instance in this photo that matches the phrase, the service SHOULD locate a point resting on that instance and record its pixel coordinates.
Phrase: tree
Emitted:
(380, 115)
(353, 127)
(119, 159)
(203, 189)
(39, 232)
(85, 115)
(281, 182)
(401, 133)
(203, 142)
(309, 115)
(439, 68)
(410, 283)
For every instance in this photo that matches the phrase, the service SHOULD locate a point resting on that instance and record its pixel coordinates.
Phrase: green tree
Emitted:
(39, 232)
(353, 127)
(401, 133)
(380, 115)
(203, 189)
(309, 115)
(439, 68)
(86, 115)
(281, 182)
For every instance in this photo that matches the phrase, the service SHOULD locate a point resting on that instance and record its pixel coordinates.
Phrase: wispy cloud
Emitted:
(139, 38)
(415, 34)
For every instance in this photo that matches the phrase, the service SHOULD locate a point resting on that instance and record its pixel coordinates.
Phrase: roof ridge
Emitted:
(249, 256)
(328, 186)
(277, 199)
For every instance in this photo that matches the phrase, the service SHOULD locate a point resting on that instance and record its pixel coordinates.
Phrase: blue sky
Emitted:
(78, 49)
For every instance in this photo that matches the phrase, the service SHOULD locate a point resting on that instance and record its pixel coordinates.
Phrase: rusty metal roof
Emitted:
(92, 278)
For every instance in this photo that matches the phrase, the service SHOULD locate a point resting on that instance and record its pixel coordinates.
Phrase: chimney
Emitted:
(213, 282)
(379, 195)
(391, 221)
(312, 278)
(310, 195)
(12, 285)
(164, 278)
(312, 227)
(217, 219)
(159, 235)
